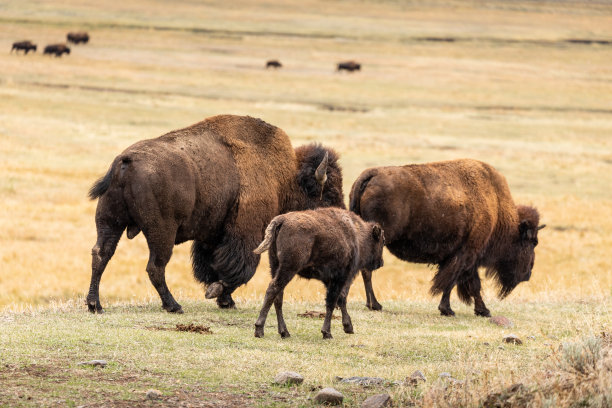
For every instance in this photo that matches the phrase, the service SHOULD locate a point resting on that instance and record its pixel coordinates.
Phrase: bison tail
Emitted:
(101, 185)
(357, 190)
(270, 235)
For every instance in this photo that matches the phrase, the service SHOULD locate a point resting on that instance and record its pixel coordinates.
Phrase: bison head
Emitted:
(514, 265)
(319, 178)
(375, 242)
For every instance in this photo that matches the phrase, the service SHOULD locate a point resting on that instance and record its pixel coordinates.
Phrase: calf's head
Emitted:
(515, 264)
(371, 252)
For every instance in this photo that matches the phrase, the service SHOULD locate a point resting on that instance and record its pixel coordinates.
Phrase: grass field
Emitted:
(525, 86)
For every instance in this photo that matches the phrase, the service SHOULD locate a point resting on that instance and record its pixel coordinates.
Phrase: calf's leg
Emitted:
(281, 278)
(278, 306)
(346, 319)
(371, 302)
(334, 288)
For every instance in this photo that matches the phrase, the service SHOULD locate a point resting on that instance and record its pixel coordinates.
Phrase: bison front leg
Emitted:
(334, 289)
(371, 302)
(346, 319)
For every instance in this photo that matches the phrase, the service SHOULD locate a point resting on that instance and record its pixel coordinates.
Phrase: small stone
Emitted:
(486, 343)
(363, 381)
(377, 401)
(416, 377)
(501, 347)
(288, 378)
(512, 338)
(329, 396)
(501, 321)
(153, 394)
(94, 363)
(444, 375)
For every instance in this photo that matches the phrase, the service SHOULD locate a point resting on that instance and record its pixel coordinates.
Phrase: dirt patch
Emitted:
(194, 328)
(315, 315)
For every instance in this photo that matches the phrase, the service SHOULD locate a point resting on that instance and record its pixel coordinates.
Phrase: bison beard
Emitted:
(218, 183)
(458, 215)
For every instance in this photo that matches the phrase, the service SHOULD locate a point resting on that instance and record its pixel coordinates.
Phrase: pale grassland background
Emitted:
(509, 90)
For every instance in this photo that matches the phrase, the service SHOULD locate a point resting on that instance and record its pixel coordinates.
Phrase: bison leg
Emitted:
(225, 301)
(101, 253)
(278, 306)
(371, 302)
(469, 287)
(346, 319)
(276, 287)
(160, 250)
(334, 288)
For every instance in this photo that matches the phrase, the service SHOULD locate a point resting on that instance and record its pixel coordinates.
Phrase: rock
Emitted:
(416, 377)
(444, 375)
(377, 401)
(512, 338)
(486, 343)
(153, 394)
(364, 381)
(501, 347)
(329, 396)
(288, 378)
(501, 321)
(94, 363)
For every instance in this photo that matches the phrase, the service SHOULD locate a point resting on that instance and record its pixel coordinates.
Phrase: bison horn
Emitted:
(321, 173)
(541, 226)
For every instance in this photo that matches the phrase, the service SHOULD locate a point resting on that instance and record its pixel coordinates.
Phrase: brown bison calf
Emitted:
(328, 244)
(25, 46)
(458, 215)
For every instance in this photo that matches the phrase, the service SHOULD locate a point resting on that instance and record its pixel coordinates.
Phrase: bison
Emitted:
(328, 244)
(273, 64)
(349, 66)
(57, 49)
(219, 183)
(78, 37)
(25, 46)
(458, 215)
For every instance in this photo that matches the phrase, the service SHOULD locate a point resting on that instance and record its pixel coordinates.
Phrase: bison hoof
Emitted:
(374, 306)
(95, 308)
(259, 332)
(349, 330)
(483, 313)
(327, 335)
(175, 309)
(214, 290)
(285, 334)
(446, 311)
(226, 304)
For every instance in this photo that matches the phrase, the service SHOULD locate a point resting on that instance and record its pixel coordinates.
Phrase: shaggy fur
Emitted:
(57, 49)
(328, 244)
(458, 215)
(25, 46)
(218, 183)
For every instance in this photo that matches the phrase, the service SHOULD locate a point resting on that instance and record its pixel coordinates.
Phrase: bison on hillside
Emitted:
(25, 46)
(273, 64)
(78, 37)
(349, 66)
(458, 215)
(57, 49)
(328, 244)
(219, 183)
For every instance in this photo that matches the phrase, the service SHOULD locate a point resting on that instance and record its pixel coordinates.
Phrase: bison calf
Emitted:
(458, 215)
(328, 244)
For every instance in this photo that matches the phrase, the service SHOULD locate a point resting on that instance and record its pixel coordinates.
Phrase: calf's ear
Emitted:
(376, 232)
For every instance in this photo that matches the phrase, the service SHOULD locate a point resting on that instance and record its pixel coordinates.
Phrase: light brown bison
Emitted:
(328, 244)
(219, 183)
(349, 66)
(57, 49)
(78, 37)
(273, 64)
(458, 215)
(25, 46)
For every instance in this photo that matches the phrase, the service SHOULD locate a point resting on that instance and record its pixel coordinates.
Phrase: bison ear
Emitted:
(376, 232)
(527, 230)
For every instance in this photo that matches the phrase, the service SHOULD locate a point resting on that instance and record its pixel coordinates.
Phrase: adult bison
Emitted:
(349, 66)
(458, 215)
(219, 183)
(25, 46)
(273, 64)
(78, 37)
(57, 49)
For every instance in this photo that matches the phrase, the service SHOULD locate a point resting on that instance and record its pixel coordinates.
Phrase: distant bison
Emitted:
(458, 215)
(57, 49)
(328, 244)
(25, 46)
(349, 66)
(219, 183)
(273, 64)
(78, 37)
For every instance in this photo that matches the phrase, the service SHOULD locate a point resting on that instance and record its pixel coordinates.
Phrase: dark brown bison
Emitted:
(219, 183)
(25, 46)
(458, 215)
(78, 37)
(349, 66)
(57, 49)
(273, 64)
(328, 244)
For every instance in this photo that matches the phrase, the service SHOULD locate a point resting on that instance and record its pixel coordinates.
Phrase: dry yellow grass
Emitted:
(509, 91)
